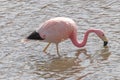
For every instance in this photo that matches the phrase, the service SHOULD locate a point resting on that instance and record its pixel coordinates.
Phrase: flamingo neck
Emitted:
(83, 42)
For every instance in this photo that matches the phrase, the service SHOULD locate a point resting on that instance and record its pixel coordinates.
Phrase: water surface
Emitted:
(19, 61)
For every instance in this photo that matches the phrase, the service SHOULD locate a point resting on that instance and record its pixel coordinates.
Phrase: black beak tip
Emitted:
(105, 43)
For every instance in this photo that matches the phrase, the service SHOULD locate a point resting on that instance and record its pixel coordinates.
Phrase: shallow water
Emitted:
(26, 61)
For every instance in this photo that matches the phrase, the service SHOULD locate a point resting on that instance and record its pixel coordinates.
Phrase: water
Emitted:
(19, 61)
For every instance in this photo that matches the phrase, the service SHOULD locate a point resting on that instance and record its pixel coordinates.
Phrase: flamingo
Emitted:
(58, 29)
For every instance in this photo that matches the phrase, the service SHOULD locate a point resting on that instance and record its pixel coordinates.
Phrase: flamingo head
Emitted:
(102, 36)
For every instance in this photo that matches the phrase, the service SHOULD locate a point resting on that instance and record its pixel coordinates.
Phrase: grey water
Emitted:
(27, 61)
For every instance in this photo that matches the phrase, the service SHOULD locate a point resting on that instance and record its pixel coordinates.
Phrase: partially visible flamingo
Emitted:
(59, 29)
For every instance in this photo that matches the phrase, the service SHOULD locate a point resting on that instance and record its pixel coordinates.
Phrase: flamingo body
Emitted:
(57, 29)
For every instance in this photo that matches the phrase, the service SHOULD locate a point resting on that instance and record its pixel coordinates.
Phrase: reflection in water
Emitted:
(59, 64)
(57, 68)
(82, 51)
(105, 53)
(63, 63)
(67, 66)
(100, 55)
(60, 67)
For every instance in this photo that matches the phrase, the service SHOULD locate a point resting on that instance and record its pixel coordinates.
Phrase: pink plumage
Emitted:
(59, 29)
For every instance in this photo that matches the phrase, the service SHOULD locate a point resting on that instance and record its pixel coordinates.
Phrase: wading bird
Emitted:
(58, 29)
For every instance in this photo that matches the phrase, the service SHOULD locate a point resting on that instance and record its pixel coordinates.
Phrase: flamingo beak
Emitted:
(105, 43)
(35, 36)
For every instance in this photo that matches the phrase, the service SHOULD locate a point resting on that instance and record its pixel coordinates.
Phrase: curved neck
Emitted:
(75, 41)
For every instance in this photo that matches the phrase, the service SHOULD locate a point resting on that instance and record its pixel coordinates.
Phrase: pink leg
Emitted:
(57, 50)
(44, 50)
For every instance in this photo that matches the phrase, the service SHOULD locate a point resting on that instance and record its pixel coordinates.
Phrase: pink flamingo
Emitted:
(59, 29)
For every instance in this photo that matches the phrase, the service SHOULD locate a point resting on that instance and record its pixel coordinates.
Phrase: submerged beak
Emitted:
(35, 36)
(105, 43)
(105, 40)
